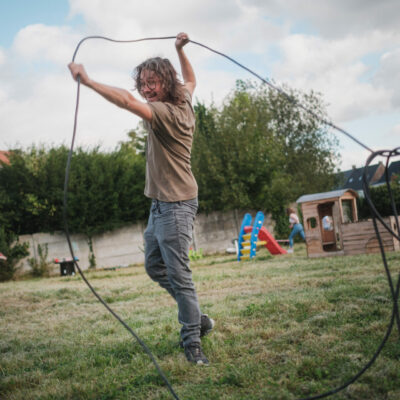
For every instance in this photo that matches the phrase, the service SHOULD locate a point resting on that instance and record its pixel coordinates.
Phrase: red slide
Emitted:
(272, 245)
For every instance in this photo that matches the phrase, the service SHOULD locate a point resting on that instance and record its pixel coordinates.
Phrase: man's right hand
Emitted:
(181, 39)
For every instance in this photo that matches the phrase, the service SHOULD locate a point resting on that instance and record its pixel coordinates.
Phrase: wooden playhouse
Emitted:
(332, 227)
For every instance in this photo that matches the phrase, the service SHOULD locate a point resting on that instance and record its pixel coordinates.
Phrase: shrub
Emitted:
(14, 251)
(381, 200)
(41, 267)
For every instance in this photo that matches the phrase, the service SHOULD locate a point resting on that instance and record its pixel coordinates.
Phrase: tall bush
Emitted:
(14, 251)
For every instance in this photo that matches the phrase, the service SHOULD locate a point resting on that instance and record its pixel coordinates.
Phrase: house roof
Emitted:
(343, 177)
(352, 179)
(4, 157)
(326, 195)
(394, 168)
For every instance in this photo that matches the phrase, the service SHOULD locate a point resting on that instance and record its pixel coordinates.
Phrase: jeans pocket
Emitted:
(190, 206)
(184, 222)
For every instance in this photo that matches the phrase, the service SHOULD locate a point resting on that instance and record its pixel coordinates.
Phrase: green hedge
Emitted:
(257, 151)
(381, 200)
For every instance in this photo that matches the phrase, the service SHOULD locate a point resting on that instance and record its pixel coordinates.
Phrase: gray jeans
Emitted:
(167, 240)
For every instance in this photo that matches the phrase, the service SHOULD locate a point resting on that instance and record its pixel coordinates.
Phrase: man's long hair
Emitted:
(164, 70)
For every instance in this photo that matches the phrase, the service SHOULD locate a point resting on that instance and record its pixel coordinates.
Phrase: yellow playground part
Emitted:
(247, 248)
(251, 237)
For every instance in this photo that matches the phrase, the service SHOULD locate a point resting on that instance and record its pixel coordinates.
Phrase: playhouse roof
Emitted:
(326, 195)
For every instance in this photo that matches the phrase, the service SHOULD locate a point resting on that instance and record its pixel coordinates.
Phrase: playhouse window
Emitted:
(347, 206)
(311, 223)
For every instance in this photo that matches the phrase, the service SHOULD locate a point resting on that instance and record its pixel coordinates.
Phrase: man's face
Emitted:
(151, 87)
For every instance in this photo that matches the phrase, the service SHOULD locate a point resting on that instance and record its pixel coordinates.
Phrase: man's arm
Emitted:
(120, 97)
(189, 78)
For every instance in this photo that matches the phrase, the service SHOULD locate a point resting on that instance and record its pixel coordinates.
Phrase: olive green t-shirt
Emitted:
(169, 175)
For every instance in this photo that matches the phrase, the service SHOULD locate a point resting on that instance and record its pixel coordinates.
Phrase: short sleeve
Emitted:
(162, 115)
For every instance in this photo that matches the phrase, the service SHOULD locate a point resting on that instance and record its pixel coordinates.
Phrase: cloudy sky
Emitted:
(348, 50)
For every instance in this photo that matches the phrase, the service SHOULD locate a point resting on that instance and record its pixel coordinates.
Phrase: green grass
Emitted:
(287, 327)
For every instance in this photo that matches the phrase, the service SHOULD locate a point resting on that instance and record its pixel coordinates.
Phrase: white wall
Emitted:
(213, 233)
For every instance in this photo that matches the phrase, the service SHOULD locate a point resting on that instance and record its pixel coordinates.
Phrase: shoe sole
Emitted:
(201, 363)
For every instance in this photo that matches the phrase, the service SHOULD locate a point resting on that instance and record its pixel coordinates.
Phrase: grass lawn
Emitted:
(287, 327)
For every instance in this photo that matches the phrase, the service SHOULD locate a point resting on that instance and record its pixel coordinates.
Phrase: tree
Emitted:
(31, 190)
(261, 151)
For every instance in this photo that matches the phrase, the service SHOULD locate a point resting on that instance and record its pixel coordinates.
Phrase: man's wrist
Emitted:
(89, 83)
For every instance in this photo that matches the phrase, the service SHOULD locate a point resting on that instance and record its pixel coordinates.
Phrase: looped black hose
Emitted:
(394, 292)
(376, 216)
(65, 218)
(387, 153)
(118, 41)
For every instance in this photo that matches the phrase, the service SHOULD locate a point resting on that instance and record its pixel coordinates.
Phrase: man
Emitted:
(169, 119)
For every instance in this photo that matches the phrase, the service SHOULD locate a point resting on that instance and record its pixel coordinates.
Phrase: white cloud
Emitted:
(2, 57)
(334, 68)
(46, 116)
(334, 19)
(355, 156)
(231, 25)
(388, 75)
(340, 55)
(395, 132)
(45, 43)
(138, 19)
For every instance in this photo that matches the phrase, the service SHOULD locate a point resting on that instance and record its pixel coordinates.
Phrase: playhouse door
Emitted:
(328, 233)
(326, 223)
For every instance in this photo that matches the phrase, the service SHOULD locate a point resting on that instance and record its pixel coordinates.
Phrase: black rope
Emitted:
(394, 292)
(65, 217)
(118, 41)
(376, 216)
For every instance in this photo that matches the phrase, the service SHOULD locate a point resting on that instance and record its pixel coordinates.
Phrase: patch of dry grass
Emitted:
(286, 327)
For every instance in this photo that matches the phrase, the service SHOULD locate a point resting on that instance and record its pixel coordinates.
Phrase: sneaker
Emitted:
(290, 251)
(195, 355)
(206, 326)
